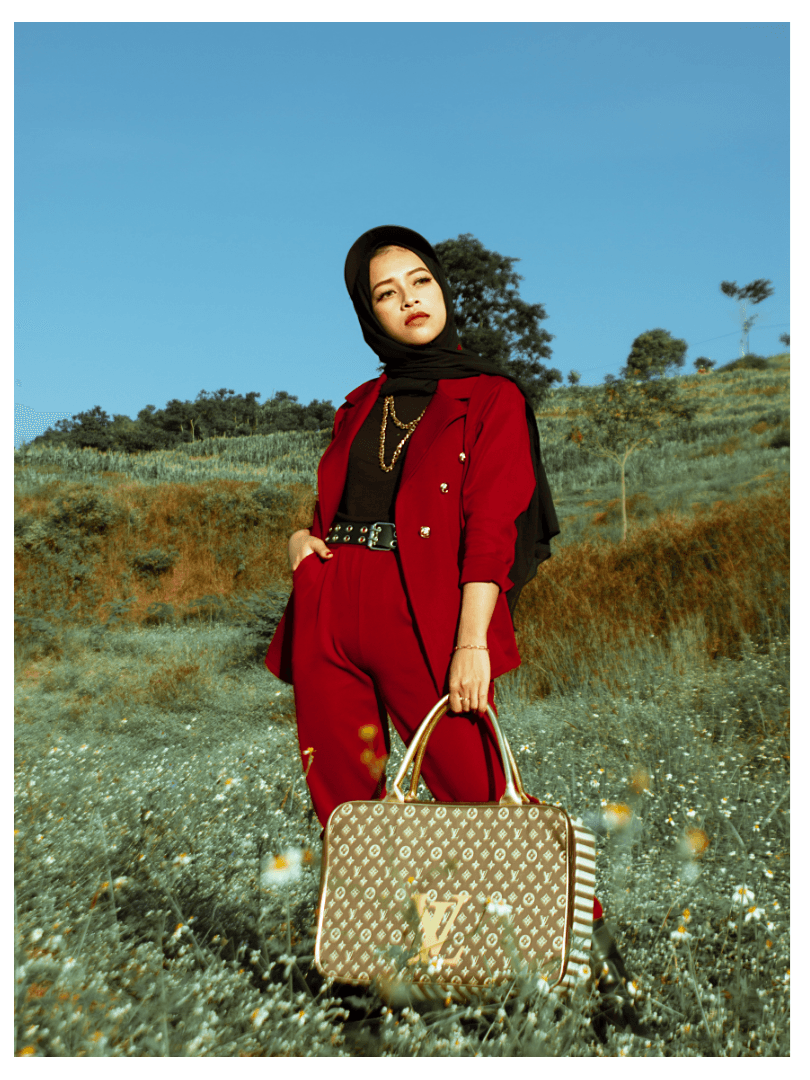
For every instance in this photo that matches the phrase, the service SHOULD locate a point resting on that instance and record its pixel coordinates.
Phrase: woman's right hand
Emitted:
(301, 545)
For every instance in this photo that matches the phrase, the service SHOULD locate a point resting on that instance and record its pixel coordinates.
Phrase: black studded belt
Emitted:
(375, 535)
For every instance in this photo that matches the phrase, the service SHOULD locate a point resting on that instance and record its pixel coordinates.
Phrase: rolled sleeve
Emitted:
(498, 486)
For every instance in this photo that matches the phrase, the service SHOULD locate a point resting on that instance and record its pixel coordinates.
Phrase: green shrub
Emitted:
(151, 564)
(159, 613)
(235, 506)
(278, 501)
(780, 439)
(35, 637)
(260, 614)
(86, 511)
(750, 361)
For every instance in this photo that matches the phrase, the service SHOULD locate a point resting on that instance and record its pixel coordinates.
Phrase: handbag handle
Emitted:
(514, 794)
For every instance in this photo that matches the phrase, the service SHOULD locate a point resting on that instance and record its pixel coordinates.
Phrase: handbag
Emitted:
(447, 900)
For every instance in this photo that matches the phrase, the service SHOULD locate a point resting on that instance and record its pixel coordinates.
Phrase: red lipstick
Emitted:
(416, 315)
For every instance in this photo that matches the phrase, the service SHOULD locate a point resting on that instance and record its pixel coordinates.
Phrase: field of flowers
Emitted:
(167, 872)
(166, 858)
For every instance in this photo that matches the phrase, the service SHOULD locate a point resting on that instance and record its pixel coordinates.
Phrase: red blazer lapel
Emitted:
(449, 402)
(335, 461)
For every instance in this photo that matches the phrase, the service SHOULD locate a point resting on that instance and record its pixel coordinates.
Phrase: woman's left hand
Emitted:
(469, 681)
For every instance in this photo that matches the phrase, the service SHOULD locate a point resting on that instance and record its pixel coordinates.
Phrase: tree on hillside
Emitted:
(284, 412)
(90, 429)
(139, 436)
(245, 416)
(785, 339)
(752, 293)
(703, 363)
(217, 414)
(623, 415)
(653, 353)
(179, 415)
(491, 317)
(320, 415)
(213, 411)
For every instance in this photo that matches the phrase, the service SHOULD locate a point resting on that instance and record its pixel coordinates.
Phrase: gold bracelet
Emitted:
(484, 647)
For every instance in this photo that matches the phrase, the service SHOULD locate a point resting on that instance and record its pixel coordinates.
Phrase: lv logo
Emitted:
(435, 928)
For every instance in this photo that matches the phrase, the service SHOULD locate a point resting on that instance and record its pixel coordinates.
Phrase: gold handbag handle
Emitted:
(514, 794)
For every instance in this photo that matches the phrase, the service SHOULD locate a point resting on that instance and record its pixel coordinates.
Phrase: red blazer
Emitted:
(472, 441)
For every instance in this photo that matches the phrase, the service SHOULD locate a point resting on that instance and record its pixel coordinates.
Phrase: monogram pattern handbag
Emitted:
(439, 900)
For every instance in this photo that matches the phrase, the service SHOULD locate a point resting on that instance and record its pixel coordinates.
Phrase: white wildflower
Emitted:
(258, 1016)
(742, 895)
(281, 869)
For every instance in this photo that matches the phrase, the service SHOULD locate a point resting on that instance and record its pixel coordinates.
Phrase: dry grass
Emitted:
(728, 566)
(225, 545)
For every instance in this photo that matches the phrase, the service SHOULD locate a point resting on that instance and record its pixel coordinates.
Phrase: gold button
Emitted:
(462, 456)
(444, 488)
(425, 530)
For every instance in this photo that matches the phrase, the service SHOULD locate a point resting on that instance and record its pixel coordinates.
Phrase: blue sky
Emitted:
(186, 193)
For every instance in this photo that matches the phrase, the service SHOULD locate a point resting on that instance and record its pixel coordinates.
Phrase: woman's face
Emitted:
(405, 297)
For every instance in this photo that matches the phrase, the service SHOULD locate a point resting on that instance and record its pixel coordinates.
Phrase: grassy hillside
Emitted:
(743, 416)
(156, 768)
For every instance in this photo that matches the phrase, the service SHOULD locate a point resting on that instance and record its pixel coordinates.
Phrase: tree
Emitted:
(179, 413)
(213, 411)
(246, 413)
(785, 339)
(92, 429)
(142, 437)
(320, 415)
(752, 293)
(491, 317)
(573, 378)
(653, 352)
(282, 412)
(623, 415)
(703, 363)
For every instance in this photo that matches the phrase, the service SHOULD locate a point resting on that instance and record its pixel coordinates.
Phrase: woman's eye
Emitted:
(420, 280)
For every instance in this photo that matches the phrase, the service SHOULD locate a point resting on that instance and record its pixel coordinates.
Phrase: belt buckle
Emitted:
(374, 534)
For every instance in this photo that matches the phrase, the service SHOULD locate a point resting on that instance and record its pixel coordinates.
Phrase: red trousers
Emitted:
(357, 660)
(356, 657)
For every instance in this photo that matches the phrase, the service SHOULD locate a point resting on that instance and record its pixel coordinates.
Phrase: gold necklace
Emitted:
(388, 407)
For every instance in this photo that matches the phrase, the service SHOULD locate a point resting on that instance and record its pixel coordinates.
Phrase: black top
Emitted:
(370, 493)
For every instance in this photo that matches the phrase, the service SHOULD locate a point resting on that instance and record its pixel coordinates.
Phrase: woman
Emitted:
(439, 449)
(433, 512)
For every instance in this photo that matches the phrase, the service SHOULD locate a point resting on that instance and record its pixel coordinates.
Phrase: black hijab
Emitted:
(417, 369)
